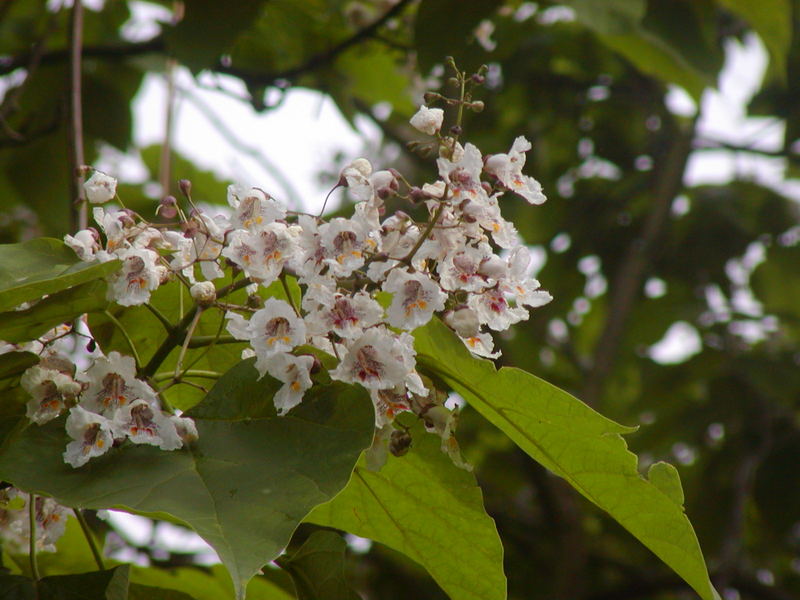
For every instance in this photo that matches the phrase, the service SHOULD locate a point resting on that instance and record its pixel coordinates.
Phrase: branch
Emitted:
(630, 276)
(113, 51)
(318, 60)
(709, 144)
(76, 116)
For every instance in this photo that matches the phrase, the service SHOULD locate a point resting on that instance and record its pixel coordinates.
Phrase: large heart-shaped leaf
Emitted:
(424, 506)
(243, 486)
(43, 266)
(574, 442)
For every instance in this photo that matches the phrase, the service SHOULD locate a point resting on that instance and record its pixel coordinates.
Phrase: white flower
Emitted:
(461, 270)
(185, 428)
(356, 177)
(344, 242)
(262, 253)
(494, 310)
(84, 243)
(463, 321)
(137, 278)
(428, 120)
(203, 293)
(388, 403)
(463, 175)
(375, 360)
(51, 518)
(508, 169)
(295, 373)
(481, 344)
(415, 297)
(347, 316)
(271, 330)
(50, 389)
(208, 239)
(100, 188)
(113, 385)
(144, 424)
(524, 288)
(93, 435)
(253, 207)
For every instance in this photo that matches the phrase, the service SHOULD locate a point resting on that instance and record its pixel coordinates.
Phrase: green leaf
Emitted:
(205, 585)
(665, 477)
(573, 441)
(16, 587)
(43, 266)
(772, 21)
(317, 568)
(430, 510)
(612, 17)
(146, 592)
(58, 308)
(13, 365)
(434, 41)
(111, 584)
(776, 284)
(209, 29)
(243, 486)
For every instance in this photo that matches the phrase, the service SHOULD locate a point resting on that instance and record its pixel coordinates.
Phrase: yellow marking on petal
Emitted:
(100, 443)
(295, 385)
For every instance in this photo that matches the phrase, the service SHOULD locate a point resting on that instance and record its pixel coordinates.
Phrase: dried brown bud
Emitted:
(399, 442)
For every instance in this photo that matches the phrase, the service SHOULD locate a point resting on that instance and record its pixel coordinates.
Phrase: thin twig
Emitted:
(160, 316)
(165, 164)
(76, 116)
(185, 346)
(32, 538)
(127, 337)
(87, 533)
(318, 60)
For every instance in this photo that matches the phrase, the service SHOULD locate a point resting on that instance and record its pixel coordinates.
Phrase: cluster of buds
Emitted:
(367, 282)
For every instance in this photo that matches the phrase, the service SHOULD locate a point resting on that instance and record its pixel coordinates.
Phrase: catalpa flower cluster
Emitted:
(365, 284)
(50, 521)
(106, 405)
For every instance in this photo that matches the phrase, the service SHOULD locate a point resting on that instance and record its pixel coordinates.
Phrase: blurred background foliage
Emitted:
(630, 247)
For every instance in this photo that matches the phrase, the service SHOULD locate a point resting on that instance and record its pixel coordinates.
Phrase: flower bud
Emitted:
(203, 293)
(427, 120)
(168, 207)
(399, 442)
(186, 187)
(494, 267)
(477, 106)
(100, 188)
(255, 301)
(464, 321)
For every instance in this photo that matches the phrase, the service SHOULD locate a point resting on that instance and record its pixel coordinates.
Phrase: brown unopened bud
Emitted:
(416, 195)
(431, 97)
(255, 301)
(186, 187)
(456, 130)
(478, 79)
(400, 442)
(168, 207)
